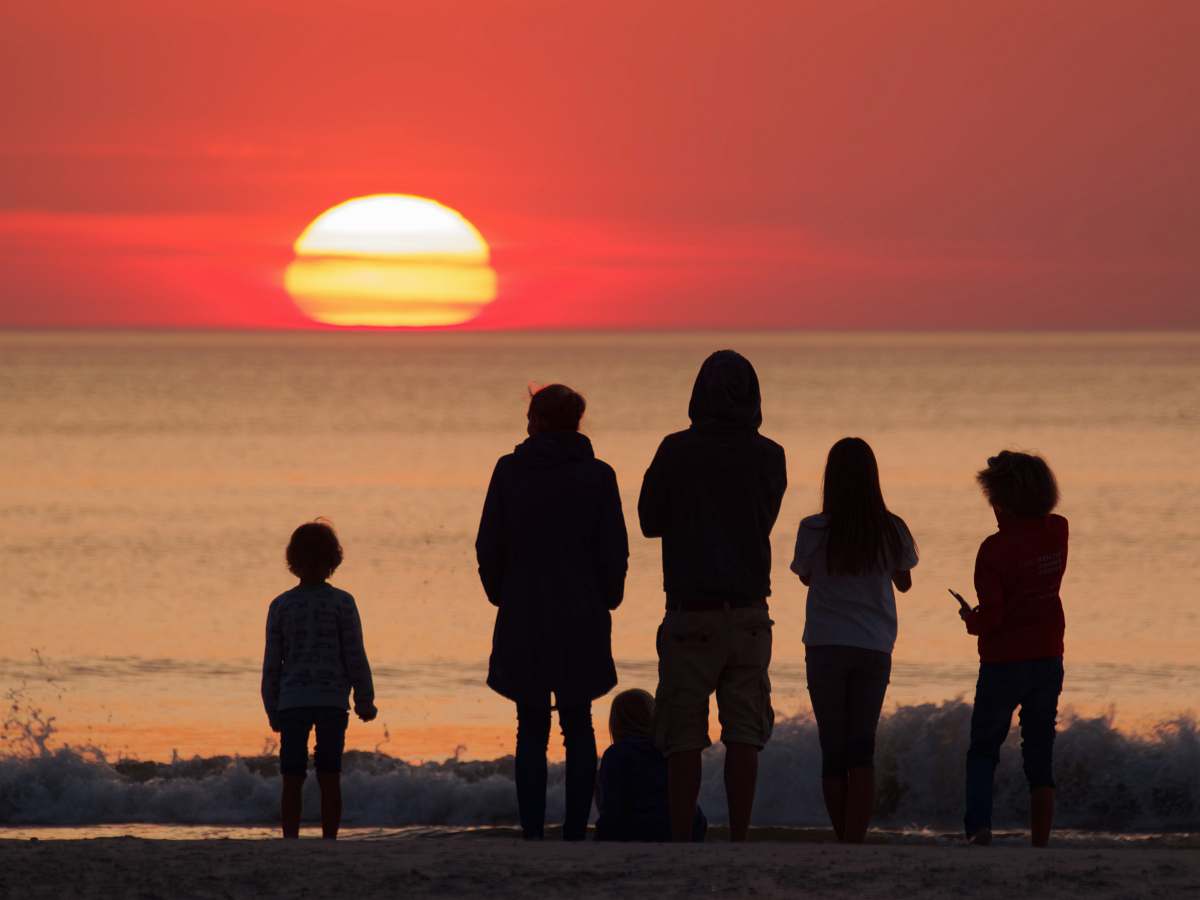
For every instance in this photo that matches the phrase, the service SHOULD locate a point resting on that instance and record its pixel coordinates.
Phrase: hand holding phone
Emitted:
(964, 606)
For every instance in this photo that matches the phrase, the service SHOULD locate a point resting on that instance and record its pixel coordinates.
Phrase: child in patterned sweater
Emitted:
(314, 657)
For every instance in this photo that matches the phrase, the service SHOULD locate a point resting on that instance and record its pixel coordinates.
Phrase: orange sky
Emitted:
(892, 164)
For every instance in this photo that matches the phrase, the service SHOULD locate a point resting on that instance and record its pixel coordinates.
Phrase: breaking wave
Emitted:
(1107, 779)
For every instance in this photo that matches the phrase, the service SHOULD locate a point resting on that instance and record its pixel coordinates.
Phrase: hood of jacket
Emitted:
(549, 449)
(726, 394)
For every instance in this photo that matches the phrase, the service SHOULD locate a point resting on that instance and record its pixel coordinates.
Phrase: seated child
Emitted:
(1020, 624)
(631, 788)
(314, 656)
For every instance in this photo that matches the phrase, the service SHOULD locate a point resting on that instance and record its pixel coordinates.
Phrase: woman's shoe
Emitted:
(981, 838)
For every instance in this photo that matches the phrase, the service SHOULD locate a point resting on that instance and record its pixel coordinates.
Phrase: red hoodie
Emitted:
(1018, 573)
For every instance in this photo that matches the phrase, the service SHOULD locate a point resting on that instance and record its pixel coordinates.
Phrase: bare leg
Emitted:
(834, 789)
(741, 776)
(1041, 815)
(860, 800)
(683, 788)
(289, 805)
(331, 803)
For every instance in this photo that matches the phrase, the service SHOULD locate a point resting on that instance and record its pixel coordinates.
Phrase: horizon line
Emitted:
(764, 330)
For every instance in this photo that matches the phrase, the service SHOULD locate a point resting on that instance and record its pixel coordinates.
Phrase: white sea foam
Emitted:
(1108, 780)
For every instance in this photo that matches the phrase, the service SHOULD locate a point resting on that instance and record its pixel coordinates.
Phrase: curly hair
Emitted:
(1019, 483)
(314, 551)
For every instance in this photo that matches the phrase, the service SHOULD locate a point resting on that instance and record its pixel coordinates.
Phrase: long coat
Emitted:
(553, 553)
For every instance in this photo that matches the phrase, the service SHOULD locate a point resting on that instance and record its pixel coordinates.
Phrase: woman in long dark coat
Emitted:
(552, 553)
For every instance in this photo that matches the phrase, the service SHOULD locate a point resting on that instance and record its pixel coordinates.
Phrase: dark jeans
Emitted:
(1033, 685)
(533, 737)
(294, 726)
(846, 686)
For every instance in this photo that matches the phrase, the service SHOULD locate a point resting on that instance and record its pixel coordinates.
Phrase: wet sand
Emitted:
(441, 866)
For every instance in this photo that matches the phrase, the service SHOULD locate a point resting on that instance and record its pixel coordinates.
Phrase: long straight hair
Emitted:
(863, 536)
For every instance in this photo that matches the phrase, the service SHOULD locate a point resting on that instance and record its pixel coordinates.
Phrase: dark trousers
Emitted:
(847, 686)
(1034, 685)
(533, 737)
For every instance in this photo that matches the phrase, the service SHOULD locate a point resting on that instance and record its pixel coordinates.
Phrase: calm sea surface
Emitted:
(149, 482)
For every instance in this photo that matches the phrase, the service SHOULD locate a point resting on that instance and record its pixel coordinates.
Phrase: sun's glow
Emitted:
(391, 260)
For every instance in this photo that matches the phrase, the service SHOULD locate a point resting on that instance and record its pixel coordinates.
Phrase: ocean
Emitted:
(150, 481)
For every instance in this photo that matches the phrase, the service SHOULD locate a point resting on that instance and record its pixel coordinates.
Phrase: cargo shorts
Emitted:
(727, 651)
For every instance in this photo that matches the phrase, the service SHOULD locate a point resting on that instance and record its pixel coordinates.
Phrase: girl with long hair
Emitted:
(850, 556)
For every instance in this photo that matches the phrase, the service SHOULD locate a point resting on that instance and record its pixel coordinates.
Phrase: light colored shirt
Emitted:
(314, 652)
(849, 610)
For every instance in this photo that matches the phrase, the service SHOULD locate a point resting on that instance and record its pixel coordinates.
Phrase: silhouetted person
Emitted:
(712, 493)
(552, 553)
(850, 556)
(631, 788)
(1020, 625)
(314, 656)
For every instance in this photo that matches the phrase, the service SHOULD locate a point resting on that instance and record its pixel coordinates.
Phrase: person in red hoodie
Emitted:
(1019, 622)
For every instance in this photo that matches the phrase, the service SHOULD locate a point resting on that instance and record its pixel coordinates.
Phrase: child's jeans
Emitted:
(294, 726)
(1034, 685)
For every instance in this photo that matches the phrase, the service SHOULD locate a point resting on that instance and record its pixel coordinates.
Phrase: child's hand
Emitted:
(275, 726)
(366, 713)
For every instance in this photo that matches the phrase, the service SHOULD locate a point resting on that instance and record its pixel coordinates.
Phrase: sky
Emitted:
(912, 164)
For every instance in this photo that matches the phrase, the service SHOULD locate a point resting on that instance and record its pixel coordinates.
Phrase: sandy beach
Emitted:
(504, 867)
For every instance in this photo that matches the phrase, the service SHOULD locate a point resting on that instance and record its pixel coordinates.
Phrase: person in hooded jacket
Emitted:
(553, 553)
(712, 493)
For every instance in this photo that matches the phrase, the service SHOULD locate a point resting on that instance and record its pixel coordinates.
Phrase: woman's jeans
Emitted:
(847, 686)
(533, 737)
(1033, 685)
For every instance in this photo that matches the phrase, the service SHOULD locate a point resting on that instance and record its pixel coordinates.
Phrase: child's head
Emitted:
(632, 715)
(555, 408)
(1019, 483)
(314, 553)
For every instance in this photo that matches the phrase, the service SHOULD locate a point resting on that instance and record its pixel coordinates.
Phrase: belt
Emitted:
(712, 602)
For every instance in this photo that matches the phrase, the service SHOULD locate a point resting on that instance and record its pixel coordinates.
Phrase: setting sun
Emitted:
(391, 260)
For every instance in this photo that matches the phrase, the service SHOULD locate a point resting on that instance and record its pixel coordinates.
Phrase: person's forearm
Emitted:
(361, 680)
(652, 506)
(616, 592)
(652, 519)
(270, 697)
(491, 577)
(272, 676)
(354, 659)
(364, 696)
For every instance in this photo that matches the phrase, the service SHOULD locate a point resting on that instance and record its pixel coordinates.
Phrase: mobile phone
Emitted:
(959, 597)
